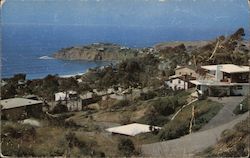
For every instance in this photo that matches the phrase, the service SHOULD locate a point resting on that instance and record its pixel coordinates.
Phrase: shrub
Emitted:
(174, 130)
(73, 141)
(122, 103)
(125, 119)
(147, 96)
(15, 149)
(245, 107)
(178, 127)
(60, 108)
(126, 147)
(164, 107)
(153, 118)
(18, 131)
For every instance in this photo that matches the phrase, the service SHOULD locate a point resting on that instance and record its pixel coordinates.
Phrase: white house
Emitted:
(178, 83)
(63, 96)
(225, 79)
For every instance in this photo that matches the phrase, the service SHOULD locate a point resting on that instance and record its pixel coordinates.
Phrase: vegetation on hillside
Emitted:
(243, 106)
(224, 50)
(204, 111)
(234, 142)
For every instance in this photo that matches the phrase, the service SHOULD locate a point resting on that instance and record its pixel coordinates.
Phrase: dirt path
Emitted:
(188, 145)
(226, 114)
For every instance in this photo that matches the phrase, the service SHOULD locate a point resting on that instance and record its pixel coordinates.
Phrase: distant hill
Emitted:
(96, 51)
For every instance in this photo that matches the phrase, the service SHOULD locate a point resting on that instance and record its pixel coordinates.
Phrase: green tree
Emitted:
(126, 147)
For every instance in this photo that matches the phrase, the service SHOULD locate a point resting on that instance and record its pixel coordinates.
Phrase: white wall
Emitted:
(175, 83)
(243, 91)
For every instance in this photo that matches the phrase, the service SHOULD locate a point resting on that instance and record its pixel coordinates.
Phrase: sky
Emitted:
(129, 13)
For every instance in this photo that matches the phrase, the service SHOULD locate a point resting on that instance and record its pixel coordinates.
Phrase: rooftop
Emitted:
(131, 129)
(17, 102)
(216, 83)
(186, 66)
(228, 68)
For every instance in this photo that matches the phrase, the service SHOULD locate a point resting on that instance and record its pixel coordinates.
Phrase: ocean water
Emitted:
(33, 30)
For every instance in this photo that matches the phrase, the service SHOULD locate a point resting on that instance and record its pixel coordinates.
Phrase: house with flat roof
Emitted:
(131, 129)
(18, 108)
(223, 80)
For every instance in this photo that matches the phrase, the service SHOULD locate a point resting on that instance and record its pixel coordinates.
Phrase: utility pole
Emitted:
(191, 121)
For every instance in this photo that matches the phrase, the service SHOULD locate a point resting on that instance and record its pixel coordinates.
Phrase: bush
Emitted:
(60, 108)
(74, 141)
(153, 118)
(147, 96)
(122, 103)
(126, 147)
(204, 111)
(14, 148)
(245, 107)
(125, 119)
(18, 131)
(12, 136)
(174, 129)
(165, 107)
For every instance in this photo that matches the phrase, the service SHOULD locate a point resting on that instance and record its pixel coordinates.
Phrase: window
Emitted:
(179, 81)
(191, 73)
(199, 87)
(170, 81)
(239, 87)
(179, 73)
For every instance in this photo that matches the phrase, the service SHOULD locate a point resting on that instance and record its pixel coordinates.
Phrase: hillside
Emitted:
(96, 51)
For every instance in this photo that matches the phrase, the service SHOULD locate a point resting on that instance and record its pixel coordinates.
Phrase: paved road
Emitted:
(188, 145)
(226, 114)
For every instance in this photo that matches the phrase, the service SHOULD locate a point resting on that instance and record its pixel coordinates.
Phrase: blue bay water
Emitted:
(32, 29)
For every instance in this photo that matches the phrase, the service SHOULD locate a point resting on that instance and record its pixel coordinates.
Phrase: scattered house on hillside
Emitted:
(117, 96)
(61, 96)
(223, 80)
(79, 80)
(179, 82)
(18, 108)
(101, 49)
(186, 70)
(89, 98)
(3, 83)
(131, 129)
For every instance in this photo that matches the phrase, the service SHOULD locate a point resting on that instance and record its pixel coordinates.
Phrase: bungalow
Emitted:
(17, 108)
(179, 82)
(224, 80)
(132, 129)
(61, 96)
(89, 98)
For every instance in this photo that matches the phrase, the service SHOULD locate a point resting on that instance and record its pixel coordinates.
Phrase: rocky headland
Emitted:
(97, 51)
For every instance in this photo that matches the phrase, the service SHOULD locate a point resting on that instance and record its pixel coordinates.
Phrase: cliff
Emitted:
(96, 51)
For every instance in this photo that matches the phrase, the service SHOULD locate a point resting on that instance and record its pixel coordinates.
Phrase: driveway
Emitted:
(188, 145)
(226, 114)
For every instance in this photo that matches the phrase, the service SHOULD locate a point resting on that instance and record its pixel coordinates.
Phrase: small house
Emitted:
(18, 108)
(132, 129)
(179, 82)
(61, 96)
(89, 98)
